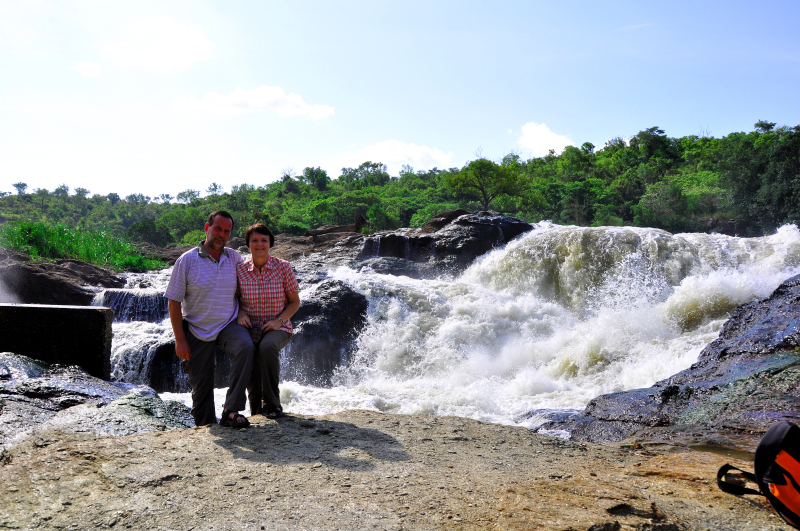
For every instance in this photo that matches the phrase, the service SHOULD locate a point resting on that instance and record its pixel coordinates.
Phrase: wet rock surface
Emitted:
(742, 383)
(325, 329)
(365, 470)
(447, 244)
(35, 395)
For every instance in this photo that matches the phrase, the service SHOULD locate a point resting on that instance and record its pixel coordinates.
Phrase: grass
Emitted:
(57, 241)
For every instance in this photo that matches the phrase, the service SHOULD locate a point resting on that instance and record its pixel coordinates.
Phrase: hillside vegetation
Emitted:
(743, 183)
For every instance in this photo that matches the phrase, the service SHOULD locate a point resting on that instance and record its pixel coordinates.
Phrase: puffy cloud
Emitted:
(394, 154)
(539, 139)
(261, 99)
(88, 69)
(159, 43)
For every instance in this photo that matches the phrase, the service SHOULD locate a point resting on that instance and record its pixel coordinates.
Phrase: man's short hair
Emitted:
(260, 228)
(222, 213)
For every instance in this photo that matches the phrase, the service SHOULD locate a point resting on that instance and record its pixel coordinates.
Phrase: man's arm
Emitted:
(176, 319)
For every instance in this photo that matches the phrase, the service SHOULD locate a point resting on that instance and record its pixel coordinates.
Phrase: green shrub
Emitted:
(53, 242)
(193, 237)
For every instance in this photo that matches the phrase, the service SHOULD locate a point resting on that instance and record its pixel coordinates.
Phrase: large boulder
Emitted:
(448, 243)
(35, 395)
(65, 282)
(743, 382)
(325, 329)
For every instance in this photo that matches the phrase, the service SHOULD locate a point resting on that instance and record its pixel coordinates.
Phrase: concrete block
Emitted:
(72, 335)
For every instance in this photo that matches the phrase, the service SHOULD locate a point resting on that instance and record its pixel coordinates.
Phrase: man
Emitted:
(203, 310)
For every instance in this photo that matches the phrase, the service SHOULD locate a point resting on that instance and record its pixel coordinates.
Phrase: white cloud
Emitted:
(394, 154)
(88, 69)
(261, 99)
(539, 139)
(159, 43)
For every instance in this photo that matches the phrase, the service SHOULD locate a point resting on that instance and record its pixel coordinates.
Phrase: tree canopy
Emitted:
(745, 182)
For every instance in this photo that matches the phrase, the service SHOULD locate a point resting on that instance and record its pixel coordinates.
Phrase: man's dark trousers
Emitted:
(237, 344)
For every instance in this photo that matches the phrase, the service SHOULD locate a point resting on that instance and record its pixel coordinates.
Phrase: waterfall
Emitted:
(147, 305)
(530, 330)
(548, 322)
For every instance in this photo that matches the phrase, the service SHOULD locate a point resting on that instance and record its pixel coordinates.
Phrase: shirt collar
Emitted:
(268, 265)
(203, 252)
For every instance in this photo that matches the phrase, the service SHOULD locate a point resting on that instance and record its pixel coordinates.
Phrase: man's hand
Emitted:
(182, 349)
(176, 320)
(244, 320)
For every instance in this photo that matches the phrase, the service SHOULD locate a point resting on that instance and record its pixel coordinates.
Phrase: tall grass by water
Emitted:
(57, 241)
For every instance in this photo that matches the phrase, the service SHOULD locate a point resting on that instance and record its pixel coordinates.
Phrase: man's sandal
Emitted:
(237, 421)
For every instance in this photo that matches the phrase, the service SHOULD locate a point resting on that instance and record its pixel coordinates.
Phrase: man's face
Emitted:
(217, 234)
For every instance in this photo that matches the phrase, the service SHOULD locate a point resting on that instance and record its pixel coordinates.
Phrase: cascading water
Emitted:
(141, 325)
(555, 318)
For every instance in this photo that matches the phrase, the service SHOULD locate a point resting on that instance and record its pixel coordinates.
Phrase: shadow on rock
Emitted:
(307, 441)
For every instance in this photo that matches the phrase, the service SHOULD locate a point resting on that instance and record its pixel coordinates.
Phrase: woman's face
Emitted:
(259, 245)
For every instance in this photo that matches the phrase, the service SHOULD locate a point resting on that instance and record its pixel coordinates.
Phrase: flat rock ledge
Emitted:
(365, 470)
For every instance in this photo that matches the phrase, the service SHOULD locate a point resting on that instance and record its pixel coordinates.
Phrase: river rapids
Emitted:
(536, 328)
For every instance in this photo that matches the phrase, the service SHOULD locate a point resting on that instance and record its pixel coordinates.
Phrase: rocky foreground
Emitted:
(365, 470)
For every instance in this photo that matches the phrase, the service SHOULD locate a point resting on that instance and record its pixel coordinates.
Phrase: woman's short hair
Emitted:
(260, 228)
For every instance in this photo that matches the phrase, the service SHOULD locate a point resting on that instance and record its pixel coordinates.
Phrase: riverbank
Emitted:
(365, 470)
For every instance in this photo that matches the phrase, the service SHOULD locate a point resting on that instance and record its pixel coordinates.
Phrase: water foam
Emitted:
(555, 318)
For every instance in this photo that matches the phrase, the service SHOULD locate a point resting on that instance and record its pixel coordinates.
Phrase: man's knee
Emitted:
(238, 341)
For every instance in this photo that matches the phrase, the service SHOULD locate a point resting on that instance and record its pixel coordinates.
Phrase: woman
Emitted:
(268, 298)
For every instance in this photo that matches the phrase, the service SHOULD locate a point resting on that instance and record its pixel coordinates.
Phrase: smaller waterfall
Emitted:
(372, 247)
(143, 350)
(147, 305)
(142, 298)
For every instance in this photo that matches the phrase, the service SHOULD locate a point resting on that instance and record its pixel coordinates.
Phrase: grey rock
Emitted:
(325, 330)
(34, 393)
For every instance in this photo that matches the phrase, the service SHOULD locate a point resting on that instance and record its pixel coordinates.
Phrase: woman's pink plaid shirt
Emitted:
(263, 295)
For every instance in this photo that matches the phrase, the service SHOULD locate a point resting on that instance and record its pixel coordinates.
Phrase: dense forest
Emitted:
(743, 183)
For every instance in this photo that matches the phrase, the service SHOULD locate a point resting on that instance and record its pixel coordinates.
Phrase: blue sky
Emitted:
(157, 97)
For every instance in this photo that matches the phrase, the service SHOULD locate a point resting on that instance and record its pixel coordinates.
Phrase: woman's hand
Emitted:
(244, 319)
(272, 324)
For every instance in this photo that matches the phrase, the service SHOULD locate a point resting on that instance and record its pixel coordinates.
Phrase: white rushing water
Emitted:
(550, 321)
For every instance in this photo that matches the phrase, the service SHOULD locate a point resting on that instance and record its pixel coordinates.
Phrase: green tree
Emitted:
(21, 187)
(146, 230)
(367, 174)
(61, 191)
(484, 180)
(188, 196)
(316, 177)
(42, 194)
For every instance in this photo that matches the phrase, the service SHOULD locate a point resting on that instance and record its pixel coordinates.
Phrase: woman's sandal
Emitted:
(237, 421)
